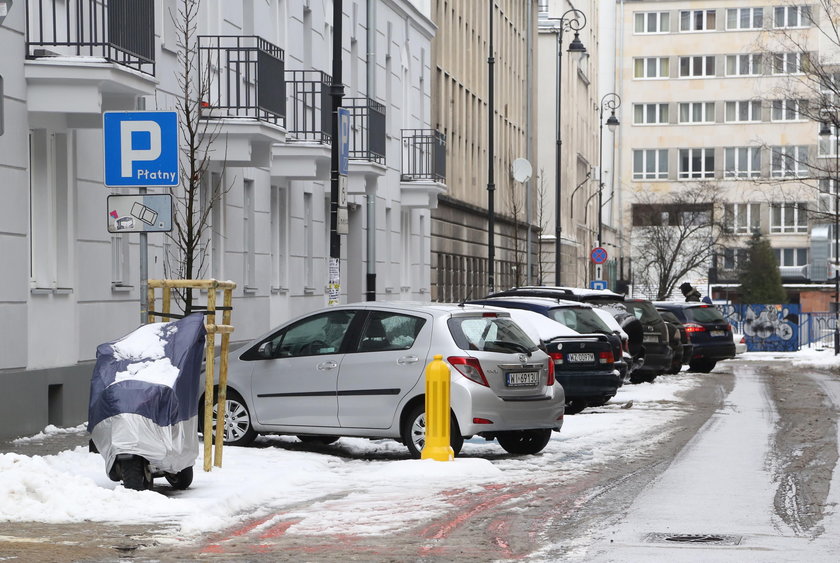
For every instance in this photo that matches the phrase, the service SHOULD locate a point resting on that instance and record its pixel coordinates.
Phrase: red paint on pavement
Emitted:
(278, 530)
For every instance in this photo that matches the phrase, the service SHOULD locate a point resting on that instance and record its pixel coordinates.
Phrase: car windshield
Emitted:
(643, 311)
(669, 316)
(581, 319)
(704, 314)
(489, 334)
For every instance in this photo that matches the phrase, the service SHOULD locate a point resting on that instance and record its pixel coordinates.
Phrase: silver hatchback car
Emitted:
(358, 370)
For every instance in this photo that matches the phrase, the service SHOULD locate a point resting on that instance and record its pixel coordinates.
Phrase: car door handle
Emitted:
(408, 360)
(327, 365)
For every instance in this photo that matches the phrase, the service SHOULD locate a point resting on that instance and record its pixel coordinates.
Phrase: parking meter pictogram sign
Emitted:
(141, 148)
(598, 255)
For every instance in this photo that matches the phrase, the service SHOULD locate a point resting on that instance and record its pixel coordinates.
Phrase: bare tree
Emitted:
(543, 256)
(516, 207)
(186, 257)
(676, 235)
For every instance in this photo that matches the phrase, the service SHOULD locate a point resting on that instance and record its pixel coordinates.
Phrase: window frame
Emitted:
(803, 16)
(780, 155)
(799, 220)
(704, 110)
(755, 63)
(691, 64)
(752, 11)
(658, 161)
(645, 23)
(704, 18)
(783, 60)
(796, 253)
(657, 108)
(753, 160)
(742, 218)
(754, 108)
(704, 171)
(660, 75)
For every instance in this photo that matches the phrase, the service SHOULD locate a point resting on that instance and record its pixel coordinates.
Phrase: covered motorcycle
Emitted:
(143, 413)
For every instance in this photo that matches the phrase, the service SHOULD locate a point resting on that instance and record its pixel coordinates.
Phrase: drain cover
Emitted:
(707, 539)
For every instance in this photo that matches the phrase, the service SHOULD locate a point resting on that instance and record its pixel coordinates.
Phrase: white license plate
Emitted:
(717, 333)
(523, 379)
(581, 357)
(651, 338)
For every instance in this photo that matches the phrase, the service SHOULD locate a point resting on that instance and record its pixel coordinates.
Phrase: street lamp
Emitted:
(612, 102)
(573, 20)
(825, 131)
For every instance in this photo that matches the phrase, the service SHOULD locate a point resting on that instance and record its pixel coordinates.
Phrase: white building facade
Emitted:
(69, 285)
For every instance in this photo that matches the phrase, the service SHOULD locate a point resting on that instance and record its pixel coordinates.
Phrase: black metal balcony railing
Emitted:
(310, 102)
(367, 129)
(242, 76)
(120, 32)
(423, 155)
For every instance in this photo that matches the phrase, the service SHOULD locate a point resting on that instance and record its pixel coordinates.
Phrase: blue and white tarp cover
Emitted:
(144, 394)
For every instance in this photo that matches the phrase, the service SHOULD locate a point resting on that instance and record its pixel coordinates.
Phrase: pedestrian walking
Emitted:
(690, 293)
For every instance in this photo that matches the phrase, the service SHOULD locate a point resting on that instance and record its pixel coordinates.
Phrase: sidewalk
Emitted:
(49, 442)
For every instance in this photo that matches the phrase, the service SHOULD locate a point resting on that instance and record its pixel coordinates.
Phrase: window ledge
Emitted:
(121, 287)
(249, 290)
(389, 289)
(280, 290)
(51, 290)
(309, 290)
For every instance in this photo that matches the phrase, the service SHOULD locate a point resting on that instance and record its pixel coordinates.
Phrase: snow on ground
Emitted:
(358, 486)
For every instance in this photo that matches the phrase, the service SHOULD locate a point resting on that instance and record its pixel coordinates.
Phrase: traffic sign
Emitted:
(598, 255)
(140, 213)
(141, 148)
(343, 141)
(598, 284)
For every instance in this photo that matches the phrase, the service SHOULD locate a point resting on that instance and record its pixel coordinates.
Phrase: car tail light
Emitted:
(606, 357)
(482, 421)
(490, 315)
(550, 380)
(625, 345)
(469, 368)
(690, 328)
(743, 340)
(557, 357)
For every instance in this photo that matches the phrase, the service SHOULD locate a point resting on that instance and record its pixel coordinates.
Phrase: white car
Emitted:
(740, 343)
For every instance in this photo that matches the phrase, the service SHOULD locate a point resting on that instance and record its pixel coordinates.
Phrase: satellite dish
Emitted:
(521, 170)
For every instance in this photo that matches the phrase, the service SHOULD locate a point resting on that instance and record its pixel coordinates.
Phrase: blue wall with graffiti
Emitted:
(767, 328)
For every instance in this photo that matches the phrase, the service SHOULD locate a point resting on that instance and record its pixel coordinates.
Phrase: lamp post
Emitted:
(573, 20)
(491, 186)
(825, 131)
(612, 102)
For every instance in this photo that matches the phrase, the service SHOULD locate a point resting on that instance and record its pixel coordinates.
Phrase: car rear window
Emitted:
(489, 334)
(581, 319)
(669, 316)
(704, 314)
(643, 311)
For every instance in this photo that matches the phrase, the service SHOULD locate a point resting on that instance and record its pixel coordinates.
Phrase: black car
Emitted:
(680, 340)
(589, 366)
(638, 317)
(711, 334)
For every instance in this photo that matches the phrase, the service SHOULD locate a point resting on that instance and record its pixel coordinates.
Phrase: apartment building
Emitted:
(264, 70)
(721, 97)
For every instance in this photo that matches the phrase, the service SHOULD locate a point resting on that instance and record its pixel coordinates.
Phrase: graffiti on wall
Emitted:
(767, 328)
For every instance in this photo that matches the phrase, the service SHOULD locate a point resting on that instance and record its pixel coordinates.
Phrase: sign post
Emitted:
(140, 150)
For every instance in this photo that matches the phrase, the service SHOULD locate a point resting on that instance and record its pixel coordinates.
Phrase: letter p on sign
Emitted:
(129, 153)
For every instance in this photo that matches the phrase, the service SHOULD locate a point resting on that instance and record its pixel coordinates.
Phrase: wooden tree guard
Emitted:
(225, 328)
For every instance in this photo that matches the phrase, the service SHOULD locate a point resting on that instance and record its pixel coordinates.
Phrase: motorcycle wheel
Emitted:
(135, 473)
(180, 480)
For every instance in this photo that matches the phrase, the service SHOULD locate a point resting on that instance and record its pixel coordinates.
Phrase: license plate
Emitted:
(581, 357)
(651, 338)
(522, 379)
(717, 333)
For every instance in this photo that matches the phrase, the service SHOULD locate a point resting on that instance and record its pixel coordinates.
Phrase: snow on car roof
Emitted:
(539, 327)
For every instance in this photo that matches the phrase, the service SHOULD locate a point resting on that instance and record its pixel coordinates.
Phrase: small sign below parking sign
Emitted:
(141, 148)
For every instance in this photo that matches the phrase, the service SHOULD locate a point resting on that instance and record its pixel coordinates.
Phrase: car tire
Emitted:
(323, 440)
(600, 401)
(524, 442)
(238, 428)
(575, 406)
(414, 432)
(702, 366)
(643, 377)
(135, 473)
(180, 480)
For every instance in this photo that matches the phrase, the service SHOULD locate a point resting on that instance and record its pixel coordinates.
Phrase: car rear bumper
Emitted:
(714, 351)
(471, 401)
(583, 385)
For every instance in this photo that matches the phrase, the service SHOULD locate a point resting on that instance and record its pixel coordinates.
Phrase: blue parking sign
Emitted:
(141, 148)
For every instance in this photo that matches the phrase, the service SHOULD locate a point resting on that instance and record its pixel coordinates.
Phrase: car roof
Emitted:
(547, 302)
(576, 291)
(436, 309)
(680, 304)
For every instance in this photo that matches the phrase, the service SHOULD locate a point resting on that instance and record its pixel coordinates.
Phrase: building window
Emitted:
(791, 257)
(697, 163)
(791, 16)
(697, 67)
(789, 110)
(743, 65)
(651, 67)
(697, 20)
(120, 270)
(789, 161)
(742, 162)
(789, 63)
(650, 114)
(828, 144)
(744, 18)
(249, 236)
(652, 22)
(697, 112)
(279, 237)
(670, 215)
(788, 218)
(734, 258)
(743, 111)
(308, 242)
(742, 218)
(650, 164)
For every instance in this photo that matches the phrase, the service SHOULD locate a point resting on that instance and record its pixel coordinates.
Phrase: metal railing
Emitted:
(367, 129)
(310, 106)
(242, 77)
(423, 155)
(119, 32)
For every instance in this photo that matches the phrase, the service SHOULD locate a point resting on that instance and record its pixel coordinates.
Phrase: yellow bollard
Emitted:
(437, 444)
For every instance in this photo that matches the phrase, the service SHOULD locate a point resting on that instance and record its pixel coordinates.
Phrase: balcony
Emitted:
(367, 145)
(306, 153)
(243, 96)
(423, 167)
(87, 56)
